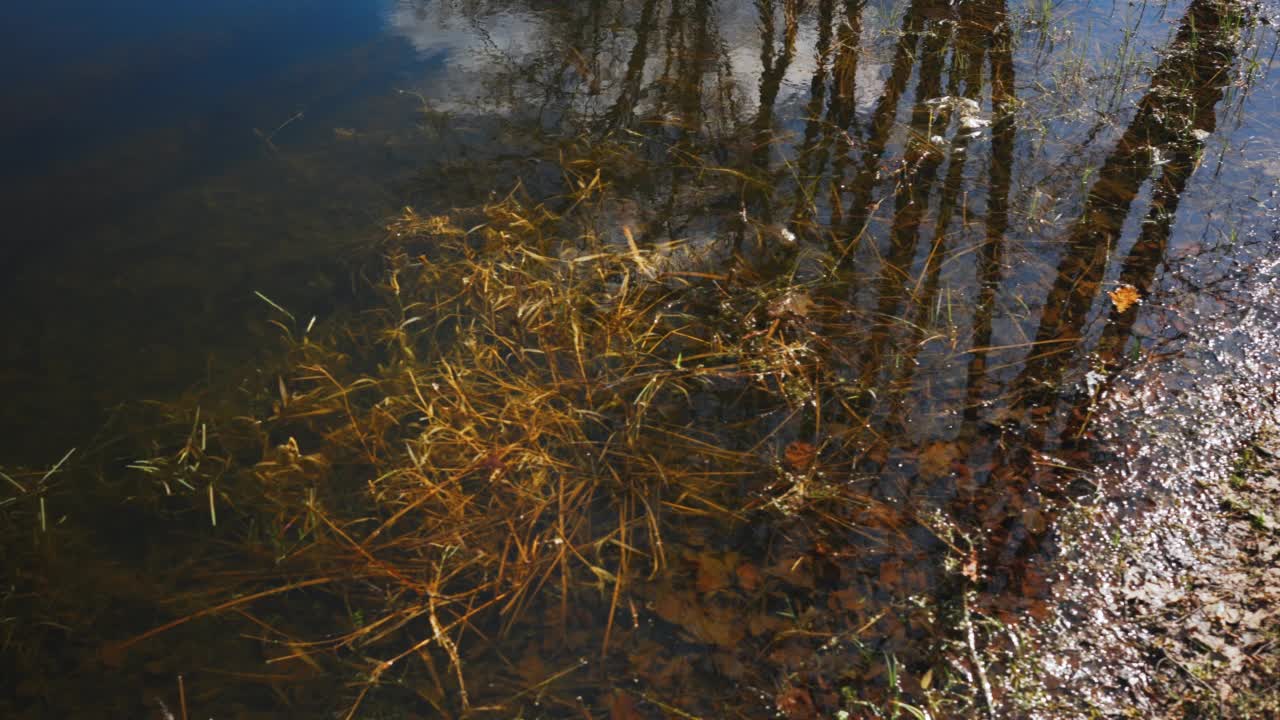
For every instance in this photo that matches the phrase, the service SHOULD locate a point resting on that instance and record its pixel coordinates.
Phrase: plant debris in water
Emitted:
(741, 418)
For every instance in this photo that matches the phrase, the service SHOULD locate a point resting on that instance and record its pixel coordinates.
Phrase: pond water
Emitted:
(899, 309)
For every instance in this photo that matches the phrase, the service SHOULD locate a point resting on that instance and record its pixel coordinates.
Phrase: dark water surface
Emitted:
(1003, 251)
(165, 160)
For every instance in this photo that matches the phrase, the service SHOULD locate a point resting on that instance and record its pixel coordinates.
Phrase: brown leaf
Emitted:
(848, 599)
(794, 571)
(713, 575)
(1038, 610)
(795, 303)
(531, 668)
(936, 459)
(748, 576)
(623, 707)
(1034, 521)
(710, 625)
(669, 607)
(796, 704)
(729, 665)
(890, 572)
(790, 654)
(720, 628)
(112, 656)
(715, 626)
(800, 455)
(1124, 297)
(761, 624)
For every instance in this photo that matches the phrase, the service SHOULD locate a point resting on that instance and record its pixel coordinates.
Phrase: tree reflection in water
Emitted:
(886, 171)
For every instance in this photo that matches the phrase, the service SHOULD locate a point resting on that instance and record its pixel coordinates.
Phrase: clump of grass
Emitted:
(515, 436)
(506, 431)
(534, 425)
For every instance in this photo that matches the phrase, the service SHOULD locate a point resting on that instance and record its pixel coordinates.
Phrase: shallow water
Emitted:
(965, 185)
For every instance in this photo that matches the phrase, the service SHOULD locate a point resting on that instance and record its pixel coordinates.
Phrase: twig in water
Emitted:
(266, 137)
(977, 663)
(164, 710)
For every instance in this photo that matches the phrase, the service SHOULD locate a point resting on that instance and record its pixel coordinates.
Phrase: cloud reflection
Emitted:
(468, 43)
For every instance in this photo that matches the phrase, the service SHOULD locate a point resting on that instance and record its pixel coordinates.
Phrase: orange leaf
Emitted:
(1124, 297)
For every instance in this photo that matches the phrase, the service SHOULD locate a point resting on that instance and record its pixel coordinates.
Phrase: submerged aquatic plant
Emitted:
(513, 427)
